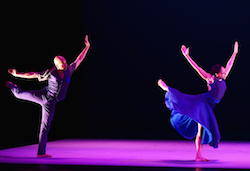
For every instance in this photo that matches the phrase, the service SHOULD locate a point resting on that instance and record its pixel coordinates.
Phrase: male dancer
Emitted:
(58, 81)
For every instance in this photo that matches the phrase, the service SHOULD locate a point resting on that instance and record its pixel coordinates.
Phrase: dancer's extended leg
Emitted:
(37, 96)
(199, 145)
(163, 85)
(48, 108)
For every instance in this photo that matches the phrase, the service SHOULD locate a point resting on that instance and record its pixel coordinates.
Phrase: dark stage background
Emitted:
(133, 44)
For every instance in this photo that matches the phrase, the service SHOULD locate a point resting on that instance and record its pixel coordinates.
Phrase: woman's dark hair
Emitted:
(215, 69)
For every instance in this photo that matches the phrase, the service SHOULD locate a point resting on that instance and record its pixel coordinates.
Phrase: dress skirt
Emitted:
(188, 110)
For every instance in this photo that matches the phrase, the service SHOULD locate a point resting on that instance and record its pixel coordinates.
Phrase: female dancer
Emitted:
(192, 115)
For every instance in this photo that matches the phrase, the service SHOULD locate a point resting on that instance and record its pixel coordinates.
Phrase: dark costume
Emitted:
(188, 110)
(47, 98)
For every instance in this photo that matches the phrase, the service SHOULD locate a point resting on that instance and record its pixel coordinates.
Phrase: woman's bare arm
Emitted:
(230, 62)
(205, 75)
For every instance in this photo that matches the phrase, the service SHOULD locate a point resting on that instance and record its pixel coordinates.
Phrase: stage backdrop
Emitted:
(133, 43)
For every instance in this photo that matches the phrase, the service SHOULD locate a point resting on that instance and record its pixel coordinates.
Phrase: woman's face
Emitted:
(221, 74)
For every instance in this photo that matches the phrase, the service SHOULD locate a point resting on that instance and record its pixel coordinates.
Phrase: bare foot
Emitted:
(44, 155)
(162, 85)
(8, 83)
(201, 159)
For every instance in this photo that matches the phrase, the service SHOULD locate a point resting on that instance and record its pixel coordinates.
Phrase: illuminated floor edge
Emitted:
(141, 153)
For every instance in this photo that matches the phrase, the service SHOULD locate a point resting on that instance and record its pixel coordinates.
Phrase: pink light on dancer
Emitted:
(192, 115)
(58, 82)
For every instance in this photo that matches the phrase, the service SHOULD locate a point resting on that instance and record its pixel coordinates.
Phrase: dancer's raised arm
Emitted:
(205, 75)
(230, 62)
(82, 55)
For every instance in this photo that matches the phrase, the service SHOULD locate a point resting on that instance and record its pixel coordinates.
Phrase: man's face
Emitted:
(60, 63)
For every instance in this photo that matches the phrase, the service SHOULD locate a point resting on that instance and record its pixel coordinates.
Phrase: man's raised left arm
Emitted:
(82, 55)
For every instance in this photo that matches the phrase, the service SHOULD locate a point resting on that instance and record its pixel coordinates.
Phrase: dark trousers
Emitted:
(48, 109)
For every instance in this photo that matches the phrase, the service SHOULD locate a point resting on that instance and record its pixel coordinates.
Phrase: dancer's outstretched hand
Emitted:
(236, 46)
(86, 41)
(185, 51)
(12, 71)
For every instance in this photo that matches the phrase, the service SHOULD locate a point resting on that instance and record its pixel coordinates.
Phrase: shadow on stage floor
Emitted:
(99, 154)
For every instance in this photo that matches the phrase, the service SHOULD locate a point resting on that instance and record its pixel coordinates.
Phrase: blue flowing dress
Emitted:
(188, 110)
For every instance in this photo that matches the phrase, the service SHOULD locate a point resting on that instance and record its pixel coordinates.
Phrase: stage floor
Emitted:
(135, 153)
